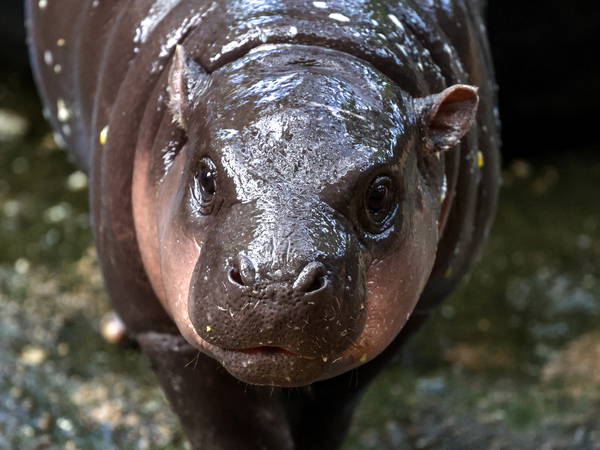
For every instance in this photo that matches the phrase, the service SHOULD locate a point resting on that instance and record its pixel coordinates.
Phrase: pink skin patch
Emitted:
(393, 289)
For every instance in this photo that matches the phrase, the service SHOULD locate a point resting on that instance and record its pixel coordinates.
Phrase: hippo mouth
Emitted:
(268, 350)
(270, 366)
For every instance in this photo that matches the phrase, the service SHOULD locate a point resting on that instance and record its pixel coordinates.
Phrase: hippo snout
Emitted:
(311, 280)
(311, 307)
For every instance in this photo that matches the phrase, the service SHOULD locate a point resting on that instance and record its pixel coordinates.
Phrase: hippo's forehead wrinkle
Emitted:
(271, 68)
(303, 130)
(303, 151)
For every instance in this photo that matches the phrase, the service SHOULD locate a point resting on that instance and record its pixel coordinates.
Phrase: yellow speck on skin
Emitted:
(324, 358)
(103, 135)
(363, 358)
(449, 272)
(61, 42)
(480, 159)
(208, 328)
(57, 68)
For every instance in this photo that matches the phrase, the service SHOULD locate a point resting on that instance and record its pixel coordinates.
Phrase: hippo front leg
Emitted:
(217, 412)
(320, 415)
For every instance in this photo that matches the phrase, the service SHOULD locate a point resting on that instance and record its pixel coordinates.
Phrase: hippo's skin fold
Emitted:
(281, 189)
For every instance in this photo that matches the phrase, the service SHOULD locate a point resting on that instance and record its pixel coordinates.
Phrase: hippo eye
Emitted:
(380, 204)
(205, 185)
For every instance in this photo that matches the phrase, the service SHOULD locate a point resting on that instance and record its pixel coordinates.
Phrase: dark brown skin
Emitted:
(288, 187)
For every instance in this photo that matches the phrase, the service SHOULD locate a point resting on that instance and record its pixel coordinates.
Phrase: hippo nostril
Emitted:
(317, 284)
(311, 279)
(234, 277)
(243, 273)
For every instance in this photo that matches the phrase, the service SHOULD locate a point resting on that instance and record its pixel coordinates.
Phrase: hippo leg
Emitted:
(217, 412)
(320, 415)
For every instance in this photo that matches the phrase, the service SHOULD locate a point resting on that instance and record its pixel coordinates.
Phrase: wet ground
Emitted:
(511, 360)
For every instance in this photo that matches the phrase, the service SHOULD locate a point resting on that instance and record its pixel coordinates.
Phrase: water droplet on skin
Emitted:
(402, 49)
(42, 4)
(62, 112)
(396, 22)
(320, 5)
(293, 31)
(444, 189)
(48, 59)
(339, 17)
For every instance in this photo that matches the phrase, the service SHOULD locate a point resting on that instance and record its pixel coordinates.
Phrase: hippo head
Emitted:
(293, 233)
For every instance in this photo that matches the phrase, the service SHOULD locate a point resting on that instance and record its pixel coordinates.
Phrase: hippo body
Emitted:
(280, 189)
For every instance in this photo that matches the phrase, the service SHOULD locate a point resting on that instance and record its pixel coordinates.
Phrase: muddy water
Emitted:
(512, 360)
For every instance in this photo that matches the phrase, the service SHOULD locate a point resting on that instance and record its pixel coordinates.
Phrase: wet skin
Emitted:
(294, 231)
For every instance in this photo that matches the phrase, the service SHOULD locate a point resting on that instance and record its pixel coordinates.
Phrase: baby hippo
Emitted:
(280, 191)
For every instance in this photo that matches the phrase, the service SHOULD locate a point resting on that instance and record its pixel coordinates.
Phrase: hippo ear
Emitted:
(447, 116)
(187, 82)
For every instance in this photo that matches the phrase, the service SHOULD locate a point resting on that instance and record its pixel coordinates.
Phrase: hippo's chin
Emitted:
(271, 366)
